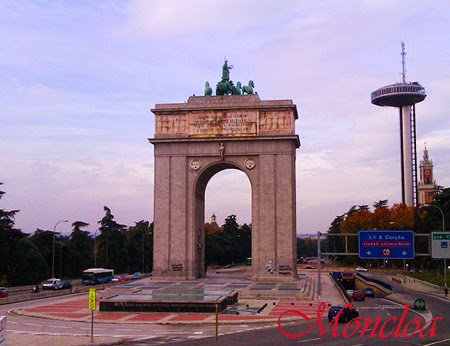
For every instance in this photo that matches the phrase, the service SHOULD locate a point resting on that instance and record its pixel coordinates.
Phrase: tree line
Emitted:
(425, 219)
(29, 258)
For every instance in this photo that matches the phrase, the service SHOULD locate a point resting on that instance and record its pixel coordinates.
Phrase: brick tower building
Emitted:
(427, 184)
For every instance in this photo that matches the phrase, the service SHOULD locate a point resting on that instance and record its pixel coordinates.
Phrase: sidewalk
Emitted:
(422, 286)
(76, 308)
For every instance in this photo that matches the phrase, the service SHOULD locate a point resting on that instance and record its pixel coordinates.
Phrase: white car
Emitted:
(361, 269)
(350, 293)
(50, 284)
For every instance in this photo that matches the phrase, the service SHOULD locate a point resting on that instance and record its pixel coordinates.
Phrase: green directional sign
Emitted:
(440, 245)
(419, 304)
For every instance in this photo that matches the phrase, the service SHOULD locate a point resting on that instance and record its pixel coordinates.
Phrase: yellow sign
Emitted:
(91, 302)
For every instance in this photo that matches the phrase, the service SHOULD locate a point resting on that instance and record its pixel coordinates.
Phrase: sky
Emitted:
(78, 80)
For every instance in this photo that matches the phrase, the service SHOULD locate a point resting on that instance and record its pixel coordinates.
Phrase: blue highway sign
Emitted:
(386, 244)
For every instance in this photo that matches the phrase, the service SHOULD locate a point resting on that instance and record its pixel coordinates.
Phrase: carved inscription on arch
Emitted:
(216, 123)
(170, 124)
(276, 121)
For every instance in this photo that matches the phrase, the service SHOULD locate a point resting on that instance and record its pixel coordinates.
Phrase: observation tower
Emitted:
(404, 96)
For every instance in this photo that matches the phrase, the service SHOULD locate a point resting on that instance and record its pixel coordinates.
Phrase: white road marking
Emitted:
(129, 330)
(308, 340)
(198, 332)
(33, 324)
(437, 342)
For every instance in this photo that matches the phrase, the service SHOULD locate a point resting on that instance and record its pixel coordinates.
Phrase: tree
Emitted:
(111, 243)
(79, 248)
(43, 240)
(140, 247)
(231, 245)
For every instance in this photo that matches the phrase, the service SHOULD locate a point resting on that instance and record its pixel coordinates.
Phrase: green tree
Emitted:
(78, 250)
(140, 247)
(9, 236)
(29, 265)
(111, 243)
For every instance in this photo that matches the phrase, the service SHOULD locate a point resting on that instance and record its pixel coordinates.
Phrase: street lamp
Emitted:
(95, 247)
(142, 243)
(53, 257)
(443, 230)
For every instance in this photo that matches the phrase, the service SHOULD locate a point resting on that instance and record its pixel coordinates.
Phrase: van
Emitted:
(50, 284)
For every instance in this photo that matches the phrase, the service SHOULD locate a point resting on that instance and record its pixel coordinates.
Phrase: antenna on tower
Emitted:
(403, 62)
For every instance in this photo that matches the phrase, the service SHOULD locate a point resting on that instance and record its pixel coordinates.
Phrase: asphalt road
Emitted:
(244, 334)
(372, 307)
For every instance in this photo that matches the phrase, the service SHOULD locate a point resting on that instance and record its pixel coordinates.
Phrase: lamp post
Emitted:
(53, 257)
(443, 230)
(95, 247)
(142, 243)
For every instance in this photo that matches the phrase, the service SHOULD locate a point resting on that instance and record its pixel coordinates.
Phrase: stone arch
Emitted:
(225, 132)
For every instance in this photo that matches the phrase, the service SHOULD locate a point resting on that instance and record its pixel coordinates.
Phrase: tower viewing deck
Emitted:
(398, 95)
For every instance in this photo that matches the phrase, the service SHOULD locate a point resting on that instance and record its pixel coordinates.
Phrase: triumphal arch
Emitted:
(196, 139)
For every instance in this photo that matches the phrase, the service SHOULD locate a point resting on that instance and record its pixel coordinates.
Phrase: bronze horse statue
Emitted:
(248, 89)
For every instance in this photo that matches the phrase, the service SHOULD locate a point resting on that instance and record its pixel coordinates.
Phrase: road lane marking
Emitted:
(308, 340)
(129, 330)
(437, 342)
(33, 324)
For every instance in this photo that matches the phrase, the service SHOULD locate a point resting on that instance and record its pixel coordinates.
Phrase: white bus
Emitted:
(94, 276)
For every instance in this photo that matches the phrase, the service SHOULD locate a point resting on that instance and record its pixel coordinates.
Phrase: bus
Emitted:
(94, 276)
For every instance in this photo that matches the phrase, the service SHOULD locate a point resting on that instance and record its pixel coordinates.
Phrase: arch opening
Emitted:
(223, 189)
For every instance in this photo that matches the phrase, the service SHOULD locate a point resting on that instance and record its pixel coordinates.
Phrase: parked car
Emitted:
(308, 267)
(337, 275)
(3, 292)
(62, 284)
(136, 275)
(358, 295)
(121, 278)
(362, 269)
(50, 284)
(346, 315)
(369, 292)
(350, 293)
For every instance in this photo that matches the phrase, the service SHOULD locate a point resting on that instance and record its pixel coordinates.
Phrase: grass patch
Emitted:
(432, 277)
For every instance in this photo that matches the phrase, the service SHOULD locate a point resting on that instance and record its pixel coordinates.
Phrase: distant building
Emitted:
(427, 184)
(213, 226)
(214, 221)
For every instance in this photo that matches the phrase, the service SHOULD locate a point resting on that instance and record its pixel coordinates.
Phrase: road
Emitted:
(270, 335)
(239, 334)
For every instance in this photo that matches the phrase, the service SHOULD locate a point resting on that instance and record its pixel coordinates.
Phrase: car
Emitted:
(136, 275)
(369, 292)
(50, 284)
(347, 314)
(337, 275)
(308, 267)
(350, 292)
(361, 269)
(62, 284)
(3, 292)
(358, 295)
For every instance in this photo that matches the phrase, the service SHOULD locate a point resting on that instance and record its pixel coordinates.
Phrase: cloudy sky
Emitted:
(78, 80)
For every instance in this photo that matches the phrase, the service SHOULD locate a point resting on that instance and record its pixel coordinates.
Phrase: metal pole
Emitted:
(53, 255)
(95, 248)
(318, 269)
(142, 241)
(217, 324)
(443, 230)
(92, 326)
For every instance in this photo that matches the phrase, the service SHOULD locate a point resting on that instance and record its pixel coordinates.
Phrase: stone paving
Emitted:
(249, 309)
